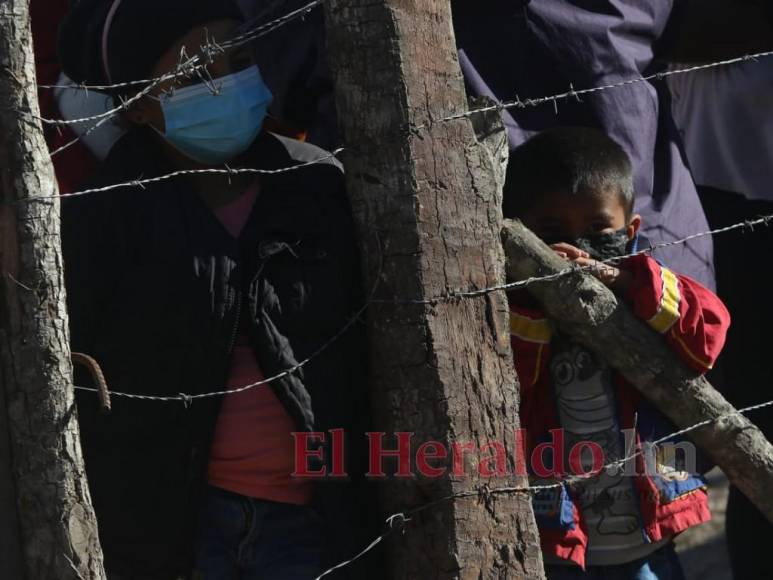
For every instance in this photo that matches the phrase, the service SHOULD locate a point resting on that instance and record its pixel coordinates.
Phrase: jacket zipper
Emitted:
(239, 305)
(236, 323)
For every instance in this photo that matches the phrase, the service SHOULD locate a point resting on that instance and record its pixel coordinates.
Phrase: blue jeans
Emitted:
(662, 564)
(242, 538)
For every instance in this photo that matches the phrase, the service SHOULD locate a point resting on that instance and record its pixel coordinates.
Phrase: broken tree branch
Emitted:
(589, 312)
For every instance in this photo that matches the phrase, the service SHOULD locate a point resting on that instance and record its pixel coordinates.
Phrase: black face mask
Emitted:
(604, 246)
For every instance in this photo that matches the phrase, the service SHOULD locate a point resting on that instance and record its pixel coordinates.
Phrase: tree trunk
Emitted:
(56, 527)
(588, 311)
(427, 203)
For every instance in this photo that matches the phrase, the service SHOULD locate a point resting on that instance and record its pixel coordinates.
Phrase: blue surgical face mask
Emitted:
(214, 128)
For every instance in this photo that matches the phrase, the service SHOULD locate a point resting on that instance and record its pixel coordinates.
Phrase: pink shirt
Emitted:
(252, 451)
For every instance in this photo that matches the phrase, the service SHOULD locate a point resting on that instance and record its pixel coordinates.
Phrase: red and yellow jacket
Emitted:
(693, 321)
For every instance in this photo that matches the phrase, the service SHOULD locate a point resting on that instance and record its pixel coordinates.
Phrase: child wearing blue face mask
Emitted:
(573, 187)
(205, 283)
(212, 131)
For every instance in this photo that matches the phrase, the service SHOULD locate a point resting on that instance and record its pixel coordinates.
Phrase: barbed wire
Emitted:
(191, 66)
(187, 399)
(142, 182)
(210, 47)
(186, 67)
(183, 67)
(519, 103)
(262, 30)
(398, 521)
(394, 522)
(86, 87)
(573, 269)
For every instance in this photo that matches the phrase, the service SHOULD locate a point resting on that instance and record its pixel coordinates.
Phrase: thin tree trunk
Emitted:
(589, 312)
(56, 528)
(427, 203)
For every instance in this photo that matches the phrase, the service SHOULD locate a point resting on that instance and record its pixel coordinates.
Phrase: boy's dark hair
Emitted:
(577, 160)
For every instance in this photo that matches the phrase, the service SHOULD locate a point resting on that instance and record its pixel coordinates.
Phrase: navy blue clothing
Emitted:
(538, 48)
(157, 290)
(252, 539)
(292, 62)
(661, 565)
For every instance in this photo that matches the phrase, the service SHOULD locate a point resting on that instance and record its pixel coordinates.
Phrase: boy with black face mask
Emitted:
(573, 187)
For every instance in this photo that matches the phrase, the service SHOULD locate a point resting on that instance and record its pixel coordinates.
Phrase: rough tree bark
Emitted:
(56, 526)
(588, 311)
(427, 202)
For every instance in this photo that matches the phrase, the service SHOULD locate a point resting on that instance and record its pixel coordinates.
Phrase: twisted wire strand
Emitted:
(189, 67)
(140, 182)
(455, 295)
(187, 399)
(183, 68)
(398, 521)
(209, 47)
(518, 103)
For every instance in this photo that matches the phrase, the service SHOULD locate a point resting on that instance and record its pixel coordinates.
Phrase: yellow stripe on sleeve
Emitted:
(530, 329)
(668, 309)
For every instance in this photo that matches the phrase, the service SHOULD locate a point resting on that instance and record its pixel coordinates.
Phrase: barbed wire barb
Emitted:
(141, 182)
(193, 65)
(485, 490)
(103, 118)
(183, 68)
(242, 38)
(573, 269)
(517, 103)
(188, 398)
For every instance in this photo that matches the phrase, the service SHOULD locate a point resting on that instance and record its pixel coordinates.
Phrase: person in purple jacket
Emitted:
(541, 47)
(544, 47)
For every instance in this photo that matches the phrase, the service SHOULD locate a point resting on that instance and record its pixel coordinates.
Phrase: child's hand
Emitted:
(614, 278)
(569, 252)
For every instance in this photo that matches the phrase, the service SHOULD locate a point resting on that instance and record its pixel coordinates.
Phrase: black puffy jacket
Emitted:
(156, 288)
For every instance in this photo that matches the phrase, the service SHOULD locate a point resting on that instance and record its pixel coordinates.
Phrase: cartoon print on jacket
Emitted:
(586, 408)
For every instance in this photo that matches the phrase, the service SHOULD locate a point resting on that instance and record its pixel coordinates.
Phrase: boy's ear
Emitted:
(633, 225)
